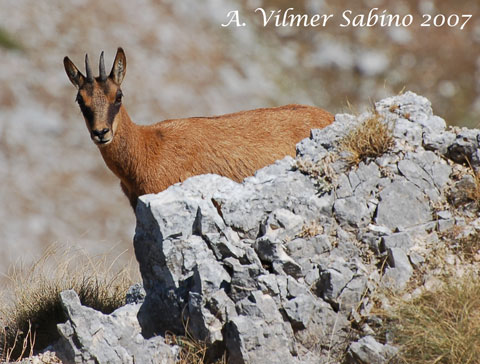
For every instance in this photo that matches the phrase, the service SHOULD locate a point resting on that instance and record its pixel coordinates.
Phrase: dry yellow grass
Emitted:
(467, 248)
(310, 230)
(33, 309)
(440, 327)
(370, 139)
(192, 351)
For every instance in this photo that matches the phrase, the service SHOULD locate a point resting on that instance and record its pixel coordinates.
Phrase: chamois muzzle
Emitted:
(102, 136)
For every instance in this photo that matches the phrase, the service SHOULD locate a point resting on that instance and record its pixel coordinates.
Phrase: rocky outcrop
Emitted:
(280, 268)
(92, 337)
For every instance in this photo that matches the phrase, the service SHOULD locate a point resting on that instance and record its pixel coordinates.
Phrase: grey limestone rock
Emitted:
(415, 174)
(272, 252)
(439, 141)
(240, 264)
(325, 139)
(416, 259)
(344, 188)
(466, 147)
(402, 205)
(438, 170)
(417, 108)
(352, 211)
(340, 285)
(259, 333)
(400, 240)
(399, 271)
(333, 280)
(368, 351)
(282, 223)
(89, 336)
(406, 130)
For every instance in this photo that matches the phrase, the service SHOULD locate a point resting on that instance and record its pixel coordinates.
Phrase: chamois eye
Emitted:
(118, 98)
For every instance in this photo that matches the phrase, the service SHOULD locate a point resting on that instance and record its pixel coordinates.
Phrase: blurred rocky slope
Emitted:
(55, 187)
(283, 268)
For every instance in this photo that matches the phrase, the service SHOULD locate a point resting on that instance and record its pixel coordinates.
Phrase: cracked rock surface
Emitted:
(277, 269)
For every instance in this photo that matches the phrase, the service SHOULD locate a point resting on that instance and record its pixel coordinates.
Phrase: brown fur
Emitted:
(148, 159)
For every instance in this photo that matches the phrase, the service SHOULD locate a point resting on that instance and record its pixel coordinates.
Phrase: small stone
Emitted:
(381, 230)
(439, 141)
(399, 271)
(351, 210)
(444, 214)
(406, 130)
(272, 252)
(135, 294)
(465, 147)
(333, 280)
(445, 225)
(344, 189)
(398, 240)
(368, 351)
(416, 259)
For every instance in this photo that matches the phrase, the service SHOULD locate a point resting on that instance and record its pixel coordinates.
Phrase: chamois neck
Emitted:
(122, 154)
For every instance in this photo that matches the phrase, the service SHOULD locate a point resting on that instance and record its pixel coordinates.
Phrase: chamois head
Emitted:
(99, 98)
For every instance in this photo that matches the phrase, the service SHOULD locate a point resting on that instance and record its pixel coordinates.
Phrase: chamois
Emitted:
(148, 159)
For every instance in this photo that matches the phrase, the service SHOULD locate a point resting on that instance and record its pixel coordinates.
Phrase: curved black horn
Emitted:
(103, 74)
(89, 69)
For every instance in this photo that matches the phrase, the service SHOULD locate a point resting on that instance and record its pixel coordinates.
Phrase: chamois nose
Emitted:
(100, 133)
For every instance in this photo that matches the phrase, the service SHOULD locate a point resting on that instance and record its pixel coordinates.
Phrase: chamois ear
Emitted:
(75, 76)
(119, 67)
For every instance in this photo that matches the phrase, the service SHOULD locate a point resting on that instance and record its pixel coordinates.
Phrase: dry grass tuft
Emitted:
(27, 343)
(466, 247)
(310, 230)
(192, 351)
(441, 327)
(321, 172)
(371, 139)
(34, 307)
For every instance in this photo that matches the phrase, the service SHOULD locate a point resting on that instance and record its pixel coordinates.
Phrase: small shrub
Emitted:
(34, 307)
(7, 41)
(441, 327)
(310, 230)
(321, 172)
(370, 139)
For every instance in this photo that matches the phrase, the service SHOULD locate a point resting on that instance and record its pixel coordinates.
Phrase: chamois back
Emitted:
(236, 145)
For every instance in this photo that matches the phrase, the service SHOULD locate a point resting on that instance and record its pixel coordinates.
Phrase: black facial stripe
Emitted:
(87, 113)
(112, 112)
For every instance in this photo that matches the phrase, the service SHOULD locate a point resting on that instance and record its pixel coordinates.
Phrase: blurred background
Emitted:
(55, 187)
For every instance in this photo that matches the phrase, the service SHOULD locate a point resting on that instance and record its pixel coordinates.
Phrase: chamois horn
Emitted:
(89, 69)
(103, 74)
